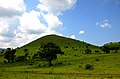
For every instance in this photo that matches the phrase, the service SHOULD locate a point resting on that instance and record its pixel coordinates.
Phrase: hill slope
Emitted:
(68, 46)
(75, 64)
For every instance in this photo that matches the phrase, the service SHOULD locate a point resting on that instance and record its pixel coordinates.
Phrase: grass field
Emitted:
(71, 65)
(108, 66)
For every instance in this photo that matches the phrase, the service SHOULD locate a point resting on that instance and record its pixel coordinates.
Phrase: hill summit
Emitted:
(67, 45)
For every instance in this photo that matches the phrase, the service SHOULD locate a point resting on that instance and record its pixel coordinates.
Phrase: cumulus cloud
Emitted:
(19, 27)
(72, 36)
(52, 21)
(30, 23)
(10, 8)
(51, 9)
(10, 11)
(82, 32)
(55, 6)
(104, 24)
(8, 28)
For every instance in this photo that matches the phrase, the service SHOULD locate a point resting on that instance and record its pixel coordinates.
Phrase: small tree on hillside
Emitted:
(106, 49)
(49, 52)
(9, 54)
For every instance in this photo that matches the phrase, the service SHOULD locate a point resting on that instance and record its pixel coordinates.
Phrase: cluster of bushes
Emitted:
(88, 67)
(10, 56)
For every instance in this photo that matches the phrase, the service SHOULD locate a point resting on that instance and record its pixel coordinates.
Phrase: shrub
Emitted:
(44, 64)
(69, 63)
(97, 59)
(35, 56)
(86, 46)
(5, 61)
(106, 49)
(66, 46)
(87, 51)
(88, 67)
(72, 47)
(97, 51)
(30, 64)
(115, 51)
(75, 49)
(79, 66)
(20, 58)
(60, 63)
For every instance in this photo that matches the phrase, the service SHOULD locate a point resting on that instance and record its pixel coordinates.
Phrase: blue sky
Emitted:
(93, 21)
(86, 14)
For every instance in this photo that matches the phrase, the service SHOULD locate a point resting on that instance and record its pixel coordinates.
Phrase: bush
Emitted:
(72, 47)
(106, 49)
(43, 64)
(66, 46)
(97, 51)
(75, 49)
(69, 63)
(87, 51)
(88, 67)
(20, 58)
(97, 59)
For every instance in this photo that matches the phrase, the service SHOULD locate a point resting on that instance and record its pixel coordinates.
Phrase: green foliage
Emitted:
(73, 61)
(89, 67)
(87, 51)
(49, 52)
(106, 49)
(36, 56)
(20, 58)
(64, 43)
(97, 51)
(23, 57)
(26, 52)
(9, 54)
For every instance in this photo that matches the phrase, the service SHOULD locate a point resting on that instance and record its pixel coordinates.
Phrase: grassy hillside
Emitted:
(68, 46)
(74, 64)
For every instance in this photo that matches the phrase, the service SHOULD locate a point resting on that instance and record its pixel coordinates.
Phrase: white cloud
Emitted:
(82, 32)
(104, 24)
(30, 23)
(10, 8)
(55, 6)
(52, 21)
(72, 36)
(8, 28)
(51, 9)
(19, 27)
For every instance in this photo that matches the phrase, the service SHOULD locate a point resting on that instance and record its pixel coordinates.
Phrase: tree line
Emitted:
(47, 52)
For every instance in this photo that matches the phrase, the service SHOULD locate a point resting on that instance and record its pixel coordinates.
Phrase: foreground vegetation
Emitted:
(80, 61)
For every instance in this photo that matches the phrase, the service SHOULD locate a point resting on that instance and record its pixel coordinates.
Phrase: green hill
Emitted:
(68, 46)
(74, 64)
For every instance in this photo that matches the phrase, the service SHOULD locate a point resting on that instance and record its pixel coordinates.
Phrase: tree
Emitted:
(9, 54)
(106, 49)
(49, 52)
